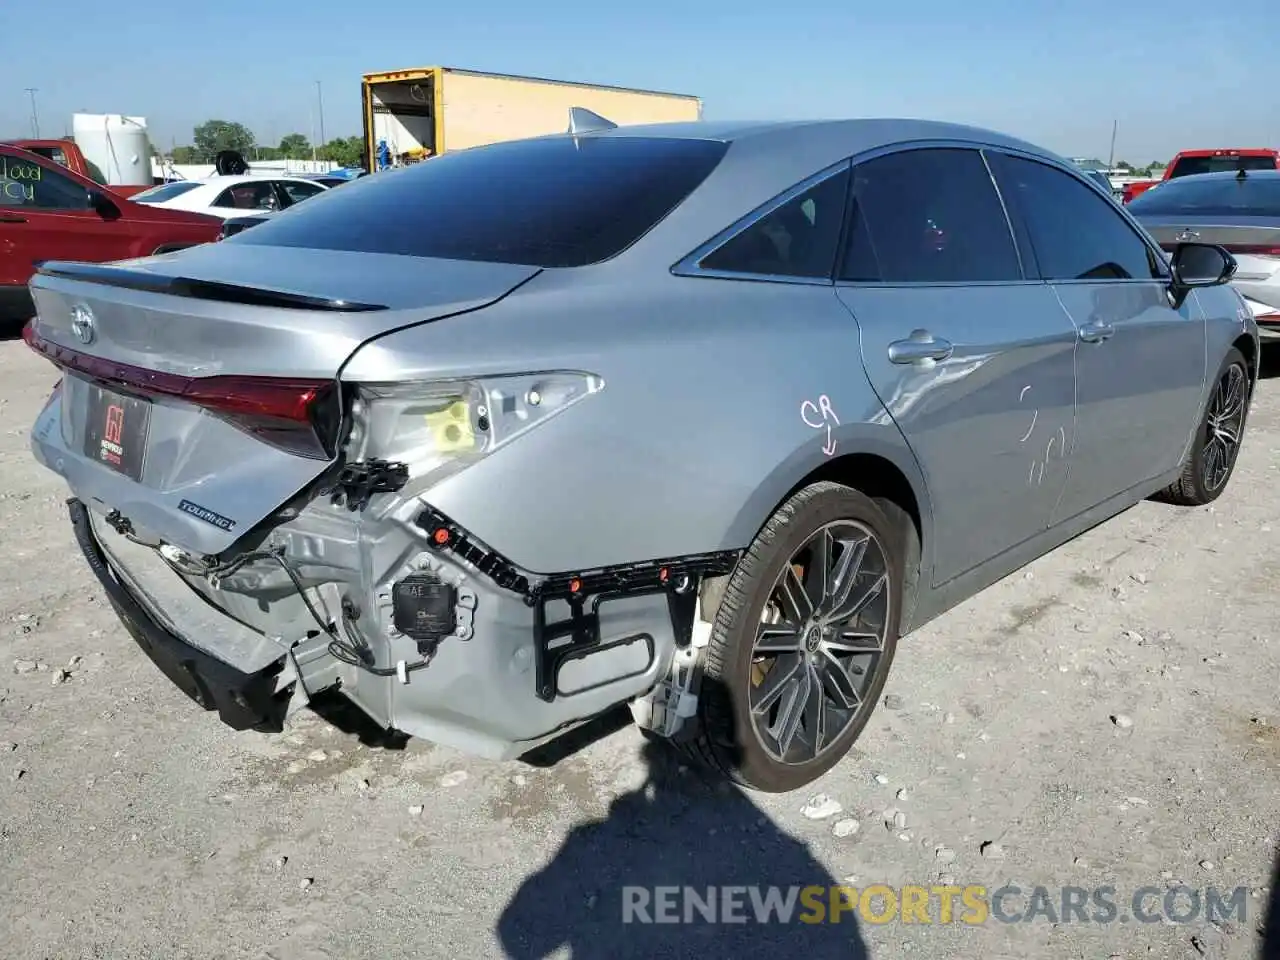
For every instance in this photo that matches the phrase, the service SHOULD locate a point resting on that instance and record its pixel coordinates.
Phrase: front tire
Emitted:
(802, 642)
(1216, 446)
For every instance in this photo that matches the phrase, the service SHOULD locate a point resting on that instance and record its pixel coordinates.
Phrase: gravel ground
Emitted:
(1106, 716)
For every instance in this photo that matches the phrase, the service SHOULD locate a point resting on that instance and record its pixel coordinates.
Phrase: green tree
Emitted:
(184, 154)
(294, 146)
(344, 151)
(213, 136)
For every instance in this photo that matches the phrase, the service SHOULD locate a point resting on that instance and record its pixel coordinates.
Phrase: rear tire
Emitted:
(831, 636)
(1211, 461)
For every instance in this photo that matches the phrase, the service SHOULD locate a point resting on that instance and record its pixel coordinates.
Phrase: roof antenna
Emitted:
(582, 120)
(1241, 174)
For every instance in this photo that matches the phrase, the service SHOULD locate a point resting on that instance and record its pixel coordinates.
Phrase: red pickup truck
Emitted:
(1190, 162)
(67, 154)
(50, 212)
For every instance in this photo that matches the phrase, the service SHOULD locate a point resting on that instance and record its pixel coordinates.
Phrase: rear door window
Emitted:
(1076, 234)
(254, 195)
(798, 238)
(927, 216)
(547, 202)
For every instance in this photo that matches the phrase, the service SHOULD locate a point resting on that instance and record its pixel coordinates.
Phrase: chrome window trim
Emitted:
(689, 265)
(931, 284)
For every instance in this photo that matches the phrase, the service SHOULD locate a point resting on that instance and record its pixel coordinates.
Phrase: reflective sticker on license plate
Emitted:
(116, 430)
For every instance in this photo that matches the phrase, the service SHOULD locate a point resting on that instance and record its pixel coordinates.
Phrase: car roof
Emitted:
(230, 180)
(844, 137)
(764, 158)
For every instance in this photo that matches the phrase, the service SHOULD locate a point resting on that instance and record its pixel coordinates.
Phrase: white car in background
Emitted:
(231, 196)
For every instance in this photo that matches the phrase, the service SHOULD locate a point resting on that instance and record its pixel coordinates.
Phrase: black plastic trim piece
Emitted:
(361, 480)
(112, 276)
(444, 534)
(677, 578)
(244, 701)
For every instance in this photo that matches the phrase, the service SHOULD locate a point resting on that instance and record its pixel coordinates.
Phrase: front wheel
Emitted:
(1216, 446)
(802, 642)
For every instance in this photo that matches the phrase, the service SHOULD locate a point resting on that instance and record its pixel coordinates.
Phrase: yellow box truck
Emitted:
(410, 115)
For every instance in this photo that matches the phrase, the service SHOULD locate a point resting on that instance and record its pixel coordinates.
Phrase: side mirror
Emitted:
(103, 204)
(1202, 265)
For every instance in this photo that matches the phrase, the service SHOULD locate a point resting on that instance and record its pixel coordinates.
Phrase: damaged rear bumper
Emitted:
(243, 700)
(532, 662)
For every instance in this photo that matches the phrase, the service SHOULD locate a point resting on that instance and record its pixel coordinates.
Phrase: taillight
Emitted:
(300, 416)
(438, 428)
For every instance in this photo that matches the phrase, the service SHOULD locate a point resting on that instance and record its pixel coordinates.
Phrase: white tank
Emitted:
(117, 145)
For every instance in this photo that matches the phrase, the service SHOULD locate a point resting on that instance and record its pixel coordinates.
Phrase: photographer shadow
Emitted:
(600, 896)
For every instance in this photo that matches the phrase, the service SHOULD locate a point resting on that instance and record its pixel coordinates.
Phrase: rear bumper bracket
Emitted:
(677, 578)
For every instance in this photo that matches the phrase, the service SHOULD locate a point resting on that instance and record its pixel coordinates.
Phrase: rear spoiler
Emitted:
(112, 276)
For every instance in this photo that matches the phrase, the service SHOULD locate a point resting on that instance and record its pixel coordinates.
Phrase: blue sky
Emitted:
(1173, 73)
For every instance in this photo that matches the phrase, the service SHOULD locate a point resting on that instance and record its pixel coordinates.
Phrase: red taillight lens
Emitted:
(296, 415)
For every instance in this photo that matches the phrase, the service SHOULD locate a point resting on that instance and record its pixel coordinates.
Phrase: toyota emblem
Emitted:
(82, 324)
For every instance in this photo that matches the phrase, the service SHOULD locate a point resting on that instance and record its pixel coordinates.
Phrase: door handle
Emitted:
(1095, 332)
(11, 218)
(921, 347)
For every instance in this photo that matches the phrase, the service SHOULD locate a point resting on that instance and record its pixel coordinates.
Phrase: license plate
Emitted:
(116, 430)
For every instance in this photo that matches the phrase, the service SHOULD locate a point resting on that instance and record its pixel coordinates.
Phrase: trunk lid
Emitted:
(1241, 233)
(198, 387)
(1253, 241)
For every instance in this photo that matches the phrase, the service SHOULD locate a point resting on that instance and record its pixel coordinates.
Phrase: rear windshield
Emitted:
(556, 202)
(1190, 166)
(166, 191)
(1213, 197)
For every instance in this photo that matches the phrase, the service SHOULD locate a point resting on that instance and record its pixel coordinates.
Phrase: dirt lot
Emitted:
(1108, 716)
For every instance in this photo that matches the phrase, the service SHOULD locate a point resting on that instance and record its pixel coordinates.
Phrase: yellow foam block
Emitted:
(451, 427)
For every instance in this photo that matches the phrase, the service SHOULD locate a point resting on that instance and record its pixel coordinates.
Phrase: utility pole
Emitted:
(1111, 161)
(35, 116)
(320, 104)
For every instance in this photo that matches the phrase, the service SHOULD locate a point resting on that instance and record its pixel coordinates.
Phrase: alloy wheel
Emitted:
(1225, 426)
(820, 642)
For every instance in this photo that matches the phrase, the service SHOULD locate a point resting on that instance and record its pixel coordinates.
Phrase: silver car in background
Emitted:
(698, 418)
(1239, 211)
